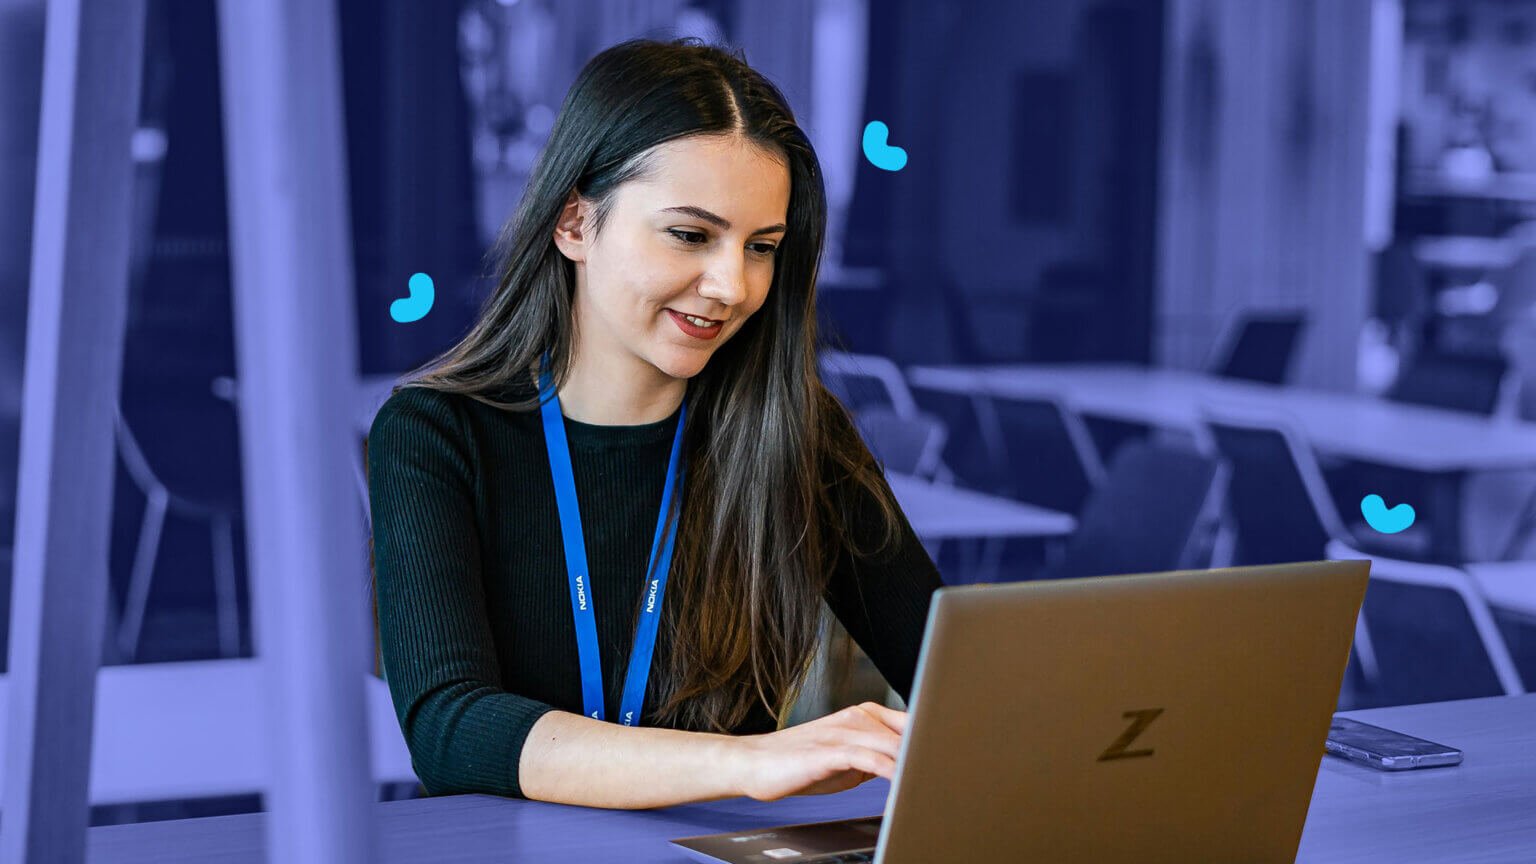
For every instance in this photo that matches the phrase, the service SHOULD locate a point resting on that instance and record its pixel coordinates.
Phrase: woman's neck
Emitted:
(619, 391)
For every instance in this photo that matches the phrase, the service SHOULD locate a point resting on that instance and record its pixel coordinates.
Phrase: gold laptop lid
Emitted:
(1164, 717)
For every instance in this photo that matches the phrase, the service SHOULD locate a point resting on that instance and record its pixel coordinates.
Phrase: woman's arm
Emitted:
(570, 759)
(463, 729)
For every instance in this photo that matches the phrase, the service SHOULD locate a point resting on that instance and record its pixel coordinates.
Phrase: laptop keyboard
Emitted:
(866, 855)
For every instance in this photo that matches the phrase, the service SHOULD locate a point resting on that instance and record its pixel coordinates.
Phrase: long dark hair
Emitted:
(767, 444)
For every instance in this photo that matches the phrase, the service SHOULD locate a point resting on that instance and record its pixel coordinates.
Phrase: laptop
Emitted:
(1162, 717)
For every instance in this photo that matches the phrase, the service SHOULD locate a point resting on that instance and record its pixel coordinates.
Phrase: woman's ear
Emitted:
(570, 228)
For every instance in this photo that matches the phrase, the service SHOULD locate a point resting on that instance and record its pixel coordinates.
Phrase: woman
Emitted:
(651, 338)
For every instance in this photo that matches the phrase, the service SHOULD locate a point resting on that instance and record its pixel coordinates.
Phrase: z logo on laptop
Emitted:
(1140, 720)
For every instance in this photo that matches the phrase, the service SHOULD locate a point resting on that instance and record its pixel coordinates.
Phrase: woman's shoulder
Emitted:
(414, 399)
(419, 410)
(414, 406)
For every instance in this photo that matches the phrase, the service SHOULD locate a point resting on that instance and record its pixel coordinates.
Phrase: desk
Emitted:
(942, 512)
(1481, 254)
(950, 512)
(1354, 425)
(1442, 445)
(198, 729)
(1515, 187)
(1479, 811)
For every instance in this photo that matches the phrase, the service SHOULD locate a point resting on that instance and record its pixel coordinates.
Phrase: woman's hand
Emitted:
(830, 754)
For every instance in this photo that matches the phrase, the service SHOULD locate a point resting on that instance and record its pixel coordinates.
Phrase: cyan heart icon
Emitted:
(878, 152)
(415, 307)
(1381, 519)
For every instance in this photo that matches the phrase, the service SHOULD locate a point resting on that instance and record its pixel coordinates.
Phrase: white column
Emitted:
(835, 119)
(296, 362)
(92, 57)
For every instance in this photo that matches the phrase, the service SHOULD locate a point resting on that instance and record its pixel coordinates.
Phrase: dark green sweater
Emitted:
(475, 625)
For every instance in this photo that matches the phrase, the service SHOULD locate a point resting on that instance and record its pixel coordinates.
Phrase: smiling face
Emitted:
(695, 235)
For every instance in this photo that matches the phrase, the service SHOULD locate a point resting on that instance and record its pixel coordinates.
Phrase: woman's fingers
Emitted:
(836, 752)
(879, 740)
(892, 719)
(868, 761)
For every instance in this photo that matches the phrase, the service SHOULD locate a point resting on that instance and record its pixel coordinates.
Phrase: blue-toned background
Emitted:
(1285, 250)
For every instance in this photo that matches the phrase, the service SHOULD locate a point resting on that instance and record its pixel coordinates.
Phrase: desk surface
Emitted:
(939, 512)
(1345, 424)
(1468, 253)
(198, 729)
(1516, 186)
(1482, 810)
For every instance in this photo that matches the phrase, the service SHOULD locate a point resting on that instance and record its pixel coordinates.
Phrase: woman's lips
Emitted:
(694, 330)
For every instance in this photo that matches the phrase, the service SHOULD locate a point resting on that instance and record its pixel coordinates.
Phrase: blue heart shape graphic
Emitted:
(1384, 520)
(878, 152)
(415, 307)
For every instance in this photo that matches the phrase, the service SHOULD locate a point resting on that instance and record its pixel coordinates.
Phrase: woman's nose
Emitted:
(725, 280)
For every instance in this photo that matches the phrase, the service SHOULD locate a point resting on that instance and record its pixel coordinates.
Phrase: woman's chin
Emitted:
(682, 364)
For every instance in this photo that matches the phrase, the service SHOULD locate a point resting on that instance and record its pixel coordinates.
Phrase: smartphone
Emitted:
(1384, 749)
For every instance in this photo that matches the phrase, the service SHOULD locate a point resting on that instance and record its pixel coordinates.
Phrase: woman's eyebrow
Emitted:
(718, 221)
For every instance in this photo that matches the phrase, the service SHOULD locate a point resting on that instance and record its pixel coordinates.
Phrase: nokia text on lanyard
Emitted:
(580, 577)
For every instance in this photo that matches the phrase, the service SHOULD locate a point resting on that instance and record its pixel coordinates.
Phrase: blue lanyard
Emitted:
(580, 577)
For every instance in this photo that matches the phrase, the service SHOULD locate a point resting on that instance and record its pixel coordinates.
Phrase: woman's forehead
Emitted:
(727, 175)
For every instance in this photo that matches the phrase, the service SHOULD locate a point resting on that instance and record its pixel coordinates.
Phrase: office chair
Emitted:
(1281, 498)
(973, 450)
(1276, 499)
(904, 444)
(1261, 347)
(907, 445)
(1151, 514)
(859, 380)
(1050, 456)
(1471, 384)
(1435, 633)
(1283, 513)
(161, 500)
(1456, 382)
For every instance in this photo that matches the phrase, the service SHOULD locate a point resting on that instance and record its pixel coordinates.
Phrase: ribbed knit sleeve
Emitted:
(882, 599)
(465, 732)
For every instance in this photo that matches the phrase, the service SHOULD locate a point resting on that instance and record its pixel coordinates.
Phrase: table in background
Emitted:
(1355, 426)
(1517, 187)
(939, 512)
(1476, 254)
(1481, 810)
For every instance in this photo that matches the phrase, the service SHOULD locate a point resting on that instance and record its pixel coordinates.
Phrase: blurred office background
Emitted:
(1164, 283)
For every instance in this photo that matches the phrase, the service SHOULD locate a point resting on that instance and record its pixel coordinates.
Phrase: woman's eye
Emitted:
(692, 238)
(699, 238)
